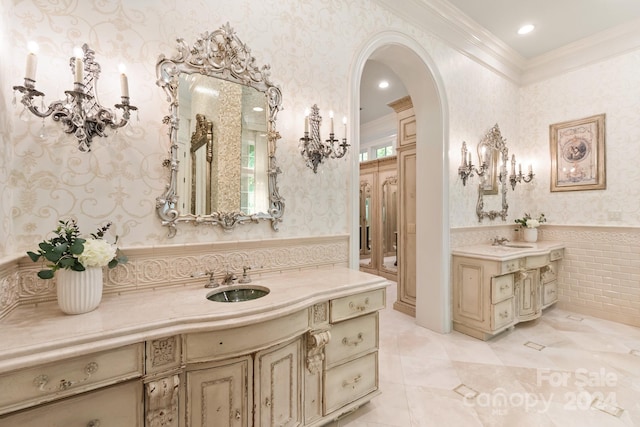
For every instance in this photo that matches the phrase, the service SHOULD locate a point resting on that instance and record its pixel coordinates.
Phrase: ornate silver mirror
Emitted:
(222, 119)
(493, 150)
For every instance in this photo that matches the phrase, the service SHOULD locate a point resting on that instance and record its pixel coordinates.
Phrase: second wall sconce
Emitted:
(80, 112)
(312, 148)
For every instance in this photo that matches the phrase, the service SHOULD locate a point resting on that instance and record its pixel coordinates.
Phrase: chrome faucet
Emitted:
(228, 279)
(499, 241)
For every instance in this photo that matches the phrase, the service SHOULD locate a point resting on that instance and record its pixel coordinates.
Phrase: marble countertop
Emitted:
(505, 253)
(34, 335)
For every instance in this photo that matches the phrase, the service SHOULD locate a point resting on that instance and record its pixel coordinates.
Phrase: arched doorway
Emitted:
(408, 59)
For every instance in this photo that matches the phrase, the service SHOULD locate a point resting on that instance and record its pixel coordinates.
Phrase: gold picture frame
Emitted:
(577, 154)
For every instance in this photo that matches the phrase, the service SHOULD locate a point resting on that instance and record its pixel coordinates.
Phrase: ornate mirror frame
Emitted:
(495, 143)
(220, 54)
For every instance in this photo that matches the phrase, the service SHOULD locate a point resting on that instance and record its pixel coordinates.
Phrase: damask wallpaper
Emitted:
(310, 46)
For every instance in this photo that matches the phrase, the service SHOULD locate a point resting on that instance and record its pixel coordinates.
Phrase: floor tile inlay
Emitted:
(534, 345)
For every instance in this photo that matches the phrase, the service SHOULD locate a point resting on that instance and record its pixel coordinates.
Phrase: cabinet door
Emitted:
(527, 305)
(219, 396)
(278, 376)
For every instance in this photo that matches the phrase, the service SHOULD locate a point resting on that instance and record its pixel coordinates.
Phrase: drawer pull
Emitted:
(504, 315)
(355, 342)
(504, 287)
(238, 416)
(352, 306)
(41, 380)
(93, 423)
(352, 383)
(267, 403)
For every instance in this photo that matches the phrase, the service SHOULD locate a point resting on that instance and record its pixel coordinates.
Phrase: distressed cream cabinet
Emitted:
(302, 368)
(495, 288)
(407, 218)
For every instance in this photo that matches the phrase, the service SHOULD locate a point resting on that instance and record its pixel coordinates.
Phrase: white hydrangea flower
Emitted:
(97, 253)
(533, 223)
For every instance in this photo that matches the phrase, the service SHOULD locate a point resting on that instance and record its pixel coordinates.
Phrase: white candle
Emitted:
(331, 120)
(513, 164)
(32, 63)
(306, 122)
(464, 156)
(470, 159)
(530, 169)
(78, 71)
(520, 168)
(124, 82)
(344, 121)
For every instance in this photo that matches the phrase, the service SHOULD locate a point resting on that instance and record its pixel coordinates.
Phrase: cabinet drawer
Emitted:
(549, 293)
(350, 381)
(502, 314)
(119, 405)
(352, 338)
(230, 342)
(32, 386)
(510, 266)
(356, 305)
(501, 288)
(556, 254)
(536, 261)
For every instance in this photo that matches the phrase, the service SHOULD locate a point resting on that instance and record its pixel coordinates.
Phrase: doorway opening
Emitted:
(413, 65)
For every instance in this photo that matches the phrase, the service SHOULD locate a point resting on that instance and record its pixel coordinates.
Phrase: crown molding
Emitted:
(446, 22)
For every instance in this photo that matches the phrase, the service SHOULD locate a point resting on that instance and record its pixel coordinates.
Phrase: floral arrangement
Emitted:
(70, 251)
(527, 221)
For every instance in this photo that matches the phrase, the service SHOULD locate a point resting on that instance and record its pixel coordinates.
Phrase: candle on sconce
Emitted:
(464, 156)
(344, 122)
(124, 81)
(331, 122)
(484, 155)
(520, 168)
(32, 61)
(78, 70)
(306, 121)
(530, 169)
(513, 164)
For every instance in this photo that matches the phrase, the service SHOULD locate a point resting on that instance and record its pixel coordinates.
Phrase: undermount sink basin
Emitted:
(237, 293)
(514, 245)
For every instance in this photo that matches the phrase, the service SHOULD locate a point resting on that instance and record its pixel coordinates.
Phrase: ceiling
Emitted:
(558, 23)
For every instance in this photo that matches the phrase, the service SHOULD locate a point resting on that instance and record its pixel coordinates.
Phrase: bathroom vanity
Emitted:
(496, 287)
(303, 355)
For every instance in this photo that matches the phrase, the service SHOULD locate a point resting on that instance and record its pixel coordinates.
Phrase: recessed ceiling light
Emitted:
(383, 84)
(526, 29)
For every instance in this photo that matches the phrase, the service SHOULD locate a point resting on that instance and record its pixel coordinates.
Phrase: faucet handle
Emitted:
(245, 277)
(212, 283)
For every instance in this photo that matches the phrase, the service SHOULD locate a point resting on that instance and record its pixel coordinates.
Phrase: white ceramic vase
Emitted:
(530, 235)
(79, 291)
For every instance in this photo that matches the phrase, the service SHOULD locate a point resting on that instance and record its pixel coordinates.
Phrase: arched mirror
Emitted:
(366, 226)
(389, 213)
(222, 119)
(492, 190)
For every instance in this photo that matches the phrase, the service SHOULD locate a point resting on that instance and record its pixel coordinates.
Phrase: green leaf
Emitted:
(67, 262)
(77, 267)
(34, 256)
(77, 246)
(45, 274)
(112, 263)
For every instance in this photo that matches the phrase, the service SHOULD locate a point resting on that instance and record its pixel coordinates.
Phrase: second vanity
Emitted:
(303, 355)
(497, 286)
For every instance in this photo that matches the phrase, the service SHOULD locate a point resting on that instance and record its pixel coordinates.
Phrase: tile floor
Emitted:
(561, 370)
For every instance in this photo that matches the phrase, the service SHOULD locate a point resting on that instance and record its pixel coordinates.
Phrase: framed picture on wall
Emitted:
(577, 154)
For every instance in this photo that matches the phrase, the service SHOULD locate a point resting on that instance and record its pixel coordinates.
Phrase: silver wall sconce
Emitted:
(80, 112)
(467, 168)
(313, 150)
(519, 177)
